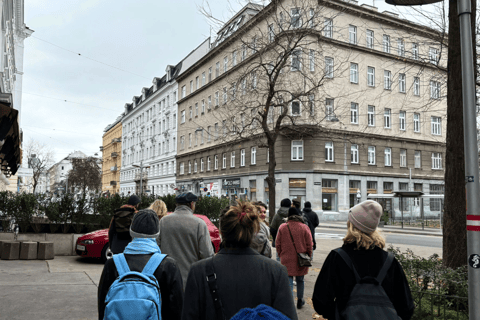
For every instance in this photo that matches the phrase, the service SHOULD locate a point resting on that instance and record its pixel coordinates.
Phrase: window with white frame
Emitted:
(352, 34)
(415, 51)
(354, 153)
(209, 102)
(434, 89)
(197, 85)
(209, 133)
(271, 33)
(182, 115)
(234, 58)
(209, 74)
(371, 76)
(196, 109)
(386, 43)
(403, 158)
(253, 156)
(224, 127)
(224, 161)
(189, 140)
(215, 162)
(225, 64)
(215, 132)
(182, 143)
(388, 157)
(191, 86)
(295, 20)
(354, 113)
(418, 159)
(296, 60)
(328, 67)
(244, 52)
(436, 160)
(387, 123)
(353, 72)
(312, 16)
(416, 86)
(329, 151)
(184, 91)
(297, 150)
(312, 60)
(416, 122)
(190, 111)
(217, 69)
(371, 116)
(182, 168)
(328, 28)
(433, 55)
(402, 119)
(225, 95)
(201, 165)
(436, 125)
(203, 106)
(254, 80)
(401, 47)
(189, 167)
(208, 163)
(232, 159)
(370, 39)
(401, 82)
(329, 110)
(295, 108)
(242, 158)
(254, 45)
(371, 155)
(203, 78)
(387, 80)
(217, 99)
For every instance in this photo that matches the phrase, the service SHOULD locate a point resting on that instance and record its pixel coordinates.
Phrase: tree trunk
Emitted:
(454, 223)
(271, 181)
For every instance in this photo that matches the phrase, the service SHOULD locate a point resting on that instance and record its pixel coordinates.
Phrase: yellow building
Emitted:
(112, 147)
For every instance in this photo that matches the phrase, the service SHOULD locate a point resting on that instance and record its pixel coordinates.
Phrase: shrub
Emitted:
(210, 207)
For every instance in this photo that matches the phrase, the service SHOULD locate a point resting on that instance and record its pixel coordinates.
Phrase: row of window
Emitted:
(163, 148)
(155, 170)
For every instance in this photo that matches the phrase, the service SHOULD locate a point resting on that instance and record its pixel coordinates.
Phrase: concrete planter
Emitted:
(64, 244)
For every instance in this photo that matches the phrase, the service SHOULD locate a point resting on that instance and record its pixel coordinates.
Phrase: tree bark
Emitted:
(454, 223)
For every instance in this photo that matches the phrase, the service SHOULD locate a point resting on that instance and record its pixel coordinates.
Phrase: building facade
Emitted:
(57, 175)
(149, 142)
(367, 85)
(111, 157)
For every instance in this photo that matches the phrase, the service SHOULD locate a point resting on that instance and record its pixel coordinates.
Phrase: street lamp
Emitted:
(464, 11)
(141, 174)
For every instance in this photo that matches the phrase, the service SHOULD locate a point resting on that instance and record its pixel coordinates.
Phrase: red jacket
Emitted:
(285, 249)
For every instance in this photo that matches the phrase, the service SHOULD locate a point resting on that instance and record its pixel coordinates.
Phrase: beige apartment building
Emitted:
(112, 152)
(363, 94)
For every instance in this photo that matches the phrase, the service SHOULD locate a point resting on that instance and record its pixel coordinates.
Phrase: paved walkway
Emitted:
(66, 287)
(388, 228)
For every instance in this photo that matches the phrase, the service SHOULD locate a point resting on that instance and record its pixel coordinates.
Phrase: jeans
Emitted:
(311, 257)
(300, 286)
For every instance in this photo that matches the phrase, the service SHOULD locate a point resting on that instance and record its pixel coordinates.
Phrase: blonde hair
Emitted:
(160, 208)
(239, 224)
(367, 241)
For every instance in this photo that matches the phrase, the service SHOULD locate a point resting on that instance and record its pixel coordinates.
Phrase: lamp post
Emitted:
(472, 185)
(141, 174)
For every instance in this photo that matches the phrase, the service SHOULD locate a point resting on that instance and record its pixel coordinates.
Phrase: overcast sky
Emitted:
(139, 37)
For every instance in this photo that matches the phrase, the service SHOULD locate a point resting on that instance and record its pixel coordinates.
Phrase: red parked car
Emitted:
(95, 244)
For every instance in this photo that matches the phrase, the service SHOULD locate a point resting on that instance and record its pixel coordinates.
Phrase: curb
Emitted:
(385, 230)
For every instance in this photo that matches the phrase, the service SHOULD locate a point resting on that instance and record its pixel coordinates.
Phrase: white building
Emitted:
(57, 174)
(149, 133)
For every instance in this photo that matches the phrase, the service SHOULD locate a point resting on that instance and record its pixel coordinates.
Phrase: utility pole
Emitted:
(141, 174)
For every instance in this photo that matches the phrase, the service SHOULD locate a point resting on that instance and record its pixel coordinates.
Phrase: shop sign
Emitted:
(228, 183)
(278, 180)
(317, 183)
(298, 183)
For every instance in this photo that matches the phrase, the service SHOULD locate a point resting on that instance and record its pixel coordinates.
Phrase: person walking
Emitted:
(238, 276)
(261, 240)
(160, 208)
(144, 230)
(313, 222)
(119, 230)
(294, 237)
(364, 246)
(183, 236)
(278, 219)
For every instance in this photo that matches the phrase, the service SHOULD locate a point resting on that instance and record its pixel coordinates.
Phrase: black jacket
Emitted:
(336, 281)
(245, 279)
(312, 222)
(119, 240)
(167, 275)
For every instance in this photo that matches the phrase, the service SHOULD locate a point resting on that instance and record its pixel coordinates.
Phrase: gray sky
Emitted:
(140, 37)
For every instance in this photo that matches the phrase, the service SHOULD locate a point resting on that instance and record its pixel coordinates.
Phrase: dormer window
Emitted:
(169, 72)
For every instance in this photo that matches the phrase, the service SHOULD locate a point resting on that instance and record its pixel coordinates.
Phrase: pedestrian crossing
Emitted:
(329, 236)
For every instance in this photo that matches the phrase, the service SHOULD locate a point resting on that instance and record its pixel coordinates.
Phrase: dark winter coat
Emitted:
(336, 281)
(119, 240)
(277, 220)
(303, 244)
(312, 223)
(245, 279)
(167, 275)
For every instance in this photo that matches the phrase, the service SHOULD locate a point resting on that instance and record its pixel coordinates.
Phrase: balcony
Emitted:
(113, 169)
(101, 148)
(114, 154)
(113, 183)
(115, 140)
(144, 177)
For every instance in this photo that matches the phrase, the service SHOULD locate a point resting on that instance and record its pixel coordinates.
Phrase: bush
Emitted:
(210, 207)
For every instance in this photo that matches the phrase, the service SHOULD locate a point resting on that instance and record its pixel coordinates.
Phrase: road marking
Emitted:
(329, 236)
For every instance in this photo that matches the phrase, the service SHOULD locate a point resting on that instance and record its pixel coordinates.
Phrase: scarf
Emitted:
(142, 246)
(296, 218)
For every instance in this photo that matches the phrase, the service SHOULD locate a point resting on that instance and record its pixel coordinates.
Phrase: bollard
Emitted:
(10, 250)
(45, 251)
(28, 250)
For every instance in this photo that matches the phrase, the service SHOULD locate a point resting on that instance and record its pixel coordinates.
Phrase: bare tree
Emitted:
(85, 174)
(40, 158)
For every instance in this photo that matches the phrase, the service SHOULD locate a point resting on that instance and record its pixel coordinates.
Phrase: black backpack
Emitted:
(368, 299)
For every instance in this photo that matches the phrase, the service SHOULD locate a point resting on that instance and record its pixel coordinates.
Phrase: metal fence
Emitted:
(430, 305)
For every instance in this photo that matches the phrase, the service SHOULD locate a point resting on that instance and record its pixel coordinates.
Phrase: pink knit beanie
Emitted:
(366, 215)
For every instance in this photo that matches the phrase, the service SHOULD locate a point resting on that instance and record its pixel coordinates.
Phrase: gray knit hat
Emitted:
(145, 224)
(365, 216)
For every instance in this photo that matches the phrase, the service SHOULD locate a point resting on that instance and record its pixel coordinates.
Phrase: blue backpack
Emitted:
(134, 295)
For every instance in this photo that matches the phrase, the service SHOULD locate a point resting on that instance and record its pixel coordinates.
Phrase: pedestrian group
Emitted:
(165, 267)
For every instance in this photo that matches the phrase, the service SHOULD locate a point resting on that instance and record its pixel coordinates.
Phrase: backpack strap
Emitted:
(121, 264)
(212, 284)
(153, 263)
(348, 261)
(386, 266)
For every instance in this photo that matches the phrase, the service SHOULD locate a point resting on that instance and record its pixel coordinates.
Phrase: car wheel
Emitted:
(106, 253)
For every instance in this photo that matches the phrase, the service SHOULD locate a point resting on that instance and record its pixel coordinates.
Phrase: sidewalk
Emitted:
(392, 229)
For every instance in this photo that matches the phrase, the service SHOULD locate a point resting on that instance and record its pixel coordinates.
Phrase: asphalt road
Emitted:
(392, 238)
